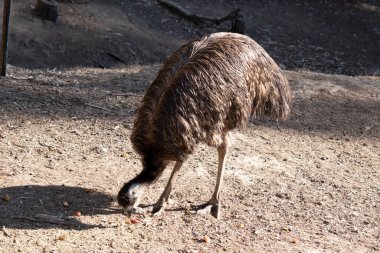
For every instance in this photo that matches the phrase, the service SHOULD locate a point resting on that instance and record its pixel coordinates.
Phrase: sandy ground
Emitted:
(311, 184)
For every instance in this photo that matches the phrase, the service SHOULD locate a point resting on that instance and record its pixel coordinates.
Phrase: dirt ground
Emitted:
(323, 36)
(310, 184)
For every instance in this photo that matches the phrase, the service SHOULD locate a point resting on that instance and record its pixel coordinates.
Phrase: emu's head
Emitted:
(129, 196)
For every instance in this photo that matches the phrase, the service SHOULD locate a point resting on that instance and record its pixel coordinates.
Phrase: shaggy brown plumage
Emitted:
(205, 89)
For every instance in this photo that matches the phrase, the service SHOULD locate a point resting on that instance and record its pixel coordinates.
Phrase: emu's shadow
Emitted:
(36, 207)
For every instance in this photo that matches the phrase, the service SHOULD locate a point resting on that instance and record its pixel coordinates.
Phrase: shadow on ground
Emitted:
(336, 105)
(36, 207)
(324, 36)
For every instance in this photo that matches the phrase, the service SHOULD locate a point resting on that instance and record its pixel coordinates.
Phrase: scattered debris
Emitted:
(127, 221)
(6, 233)
(63, 237)
(88, 190)
(206, 239)
(294, 241)
(5, 197)
(236, 17)
(195, 17)
(43, 218)
(131, 221)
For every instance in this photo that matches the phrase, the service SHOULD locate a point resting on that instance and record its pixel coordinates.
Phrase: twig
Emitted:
(43, 219)
(368, 7)
(195, 17)
(6, 233)
(126, 94)
(78, 2)
(116, 57)
(367, 128)
(45, 145)
(264, 138)
(20, 146)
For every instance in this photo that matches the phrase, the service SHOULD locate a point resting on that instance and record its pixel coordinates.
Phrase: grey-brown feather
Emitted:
(205, 89)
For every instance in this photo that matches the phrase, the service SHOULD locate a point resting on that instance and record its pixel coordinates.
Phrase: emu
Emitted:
(205, 89)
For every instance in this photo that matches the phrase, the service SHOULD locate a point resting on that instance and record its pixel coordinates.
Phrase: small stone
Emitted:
(294, 241)
(206, 239)
(63, 237)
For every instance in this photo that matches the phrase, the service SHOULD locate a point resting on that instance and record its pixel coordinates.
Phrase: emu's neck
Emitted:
(153, 166)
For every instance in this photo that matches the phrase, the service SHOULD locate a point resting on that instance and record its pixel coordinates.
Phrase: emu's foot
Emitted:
(156, 209)
(208, 208)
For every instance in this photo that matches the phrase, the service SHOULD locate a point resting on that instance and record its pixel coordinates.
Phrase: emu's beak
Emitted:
(128, 211)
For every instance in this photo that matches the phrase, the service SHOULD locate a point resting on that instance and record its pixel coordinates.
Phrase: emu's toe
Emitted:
(158, 209)
(213, 209)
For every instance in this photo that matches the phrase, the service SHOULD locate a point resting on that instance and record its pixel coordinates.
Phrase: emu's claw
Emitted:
(158, 208)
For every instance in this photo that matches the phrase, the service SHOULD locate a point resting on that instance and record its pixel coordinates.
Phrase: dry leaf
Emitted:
(87, 190)
(128, 221)
(125, 154)
(63, 237)
(6, 197)
(206, 239)
(6, 233)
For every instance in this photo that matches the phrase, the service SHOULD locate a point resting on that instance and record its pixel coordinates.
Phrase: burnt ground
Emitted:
(310, 184)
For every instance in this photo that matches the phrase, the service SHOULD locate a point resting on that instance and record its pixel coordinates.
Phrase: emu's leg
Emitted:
(159, 207)
(213, 205)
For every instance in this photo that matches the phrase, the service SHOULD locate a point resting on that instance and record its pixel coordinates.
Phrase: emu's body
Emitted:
(205, 89)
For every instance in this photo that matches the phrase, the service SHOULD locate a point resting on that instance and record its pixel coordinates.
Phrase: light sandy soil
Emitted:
(311, 184)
